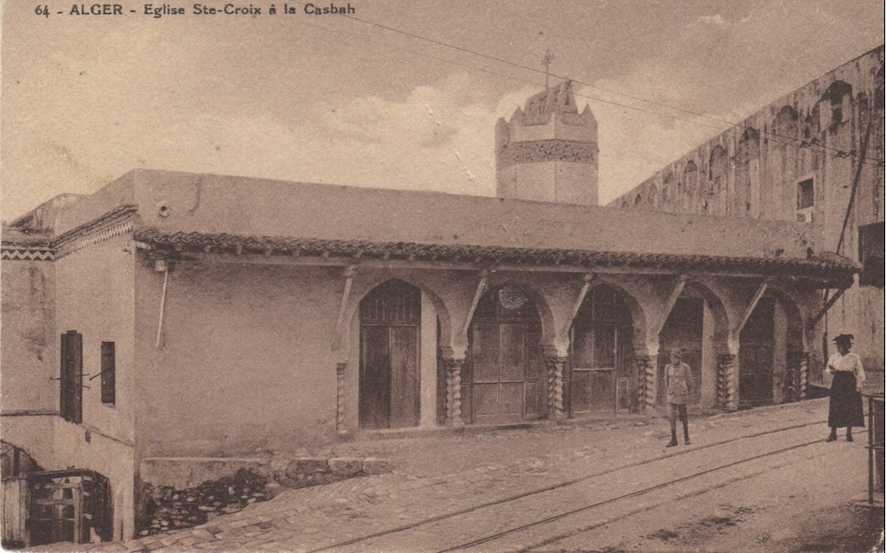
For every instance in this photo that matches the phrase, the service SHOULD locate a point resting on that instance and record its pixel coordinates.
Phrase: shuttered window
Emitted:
(109, 373)
(71, 376)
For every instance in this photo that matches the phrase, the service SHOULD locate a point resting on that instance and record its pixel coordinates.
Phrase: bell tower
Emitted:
(548, 150)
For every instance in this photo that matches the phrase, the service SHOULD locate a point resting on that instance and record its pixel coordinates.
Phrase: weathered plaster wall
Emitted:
(35, 434)
(246, 361)
(113, 458)
(28, 356)
(95, 297)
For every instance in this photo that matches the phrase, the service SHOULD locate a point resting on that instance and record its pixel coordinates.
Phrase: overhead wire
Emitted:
(636, 155)
(701, 114)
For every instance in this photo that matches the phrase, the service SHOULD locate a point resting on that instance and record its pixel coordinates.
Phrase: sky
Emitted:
(343, 100)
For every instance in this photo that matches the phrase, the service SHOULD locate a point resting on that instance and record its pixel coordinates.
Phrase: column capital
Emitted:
(455, 351)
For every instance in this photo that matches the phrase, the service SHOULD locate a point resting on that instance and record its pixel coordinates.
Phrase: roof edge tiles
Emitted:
(833, 266)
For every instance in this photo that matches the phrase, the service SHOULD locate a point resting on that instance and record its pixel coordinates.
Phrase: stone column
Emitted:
(804, 375)
(647, 377)
(340, 369)
(556, 365)
(453, 391)
(727, 367)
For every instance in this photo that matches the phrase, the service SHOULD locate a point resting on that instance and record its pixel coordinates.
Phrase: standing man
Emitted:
(845, 408)
(679, 384)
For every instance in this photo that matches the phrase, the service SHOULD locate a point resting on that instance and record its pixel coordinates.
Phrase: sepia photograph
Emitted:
(432, 276)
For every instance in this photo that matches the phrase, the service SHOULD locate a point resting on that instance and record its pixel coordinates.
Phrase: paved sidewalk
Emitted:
(436, 475)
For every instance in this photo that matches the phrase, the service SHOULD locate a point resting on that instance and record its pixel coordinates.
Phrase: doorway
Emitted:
(389, 388)
(601, 350)
(756, 355)
(505, 371)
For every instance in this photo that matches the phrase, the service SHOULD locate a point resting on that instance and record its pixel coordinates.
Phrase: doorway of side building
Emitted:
(71, 506)
(756, 355)
(683, 331)
(504, 379)
(389, 386)
(601, 358)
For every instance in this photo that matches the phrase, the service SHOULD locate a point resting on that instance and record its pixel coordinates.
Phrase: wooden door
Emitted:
(404, 390)
(757, 354)
(595, 361)
(375, 377)
(505, 376)
(389, 387)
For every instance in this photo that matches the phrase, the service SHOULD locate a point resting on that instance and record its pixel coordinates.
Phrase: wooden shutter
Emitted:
(109, 373)
(63, 379)
(76, 372)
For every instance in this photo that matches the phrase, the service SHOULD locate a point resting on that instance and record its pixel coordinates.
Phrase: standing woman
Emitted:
(845, 408)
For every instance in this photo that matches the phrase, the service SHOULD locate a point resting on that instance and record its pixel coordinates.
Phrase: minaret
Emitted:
(548, 151)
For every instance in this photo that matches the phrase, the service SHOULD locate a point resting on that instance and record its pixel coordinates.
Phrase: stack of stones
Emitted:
(170, 509)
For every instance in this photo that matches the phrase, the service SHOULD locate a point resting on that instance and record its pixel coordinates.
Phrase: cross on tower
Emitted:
(546, 61)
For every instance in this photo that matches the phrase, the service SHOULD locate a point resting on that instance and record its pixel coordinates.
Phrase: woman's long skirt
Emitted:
(845, 407)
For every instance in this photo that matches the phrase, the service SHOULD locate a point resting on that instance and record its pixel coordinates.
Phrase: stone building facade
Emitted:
(548, 151)
(815, 156)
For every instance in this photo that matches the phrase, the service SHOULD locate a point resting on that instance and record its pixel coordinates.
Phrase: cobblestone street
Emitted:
(556, 487)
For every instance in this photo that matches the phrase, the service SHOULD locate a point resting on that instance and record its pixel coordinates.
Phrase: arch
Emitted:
(748, 149)
(638, 314)
(835, 104)
(749, 144)
(795, 313)
(638, 199)
(668, 191)
(786, 124)
(344, 343)
(836, 91)
(690, 177)
(718, 310)
(772, 349)
(878, 93)
(717, 163)
(539, 301)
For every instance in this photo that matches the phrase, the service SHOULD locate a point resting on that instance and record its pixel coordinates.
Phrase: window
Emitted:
(870, 254)
(109, 375)
(71, 377)
(805, 194)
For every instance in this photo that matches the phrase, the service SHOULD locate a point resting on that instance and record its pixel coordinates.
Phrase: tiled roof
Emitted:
(834, 266)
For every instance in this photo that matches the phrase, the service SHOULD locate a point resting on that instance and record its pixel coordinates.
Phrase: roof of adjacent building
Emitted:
(229, 213)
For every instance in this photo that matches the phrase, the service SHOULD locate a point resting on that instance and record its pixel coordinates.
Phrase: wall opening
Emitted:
(601, 372)
(504, 378)
(389, 385)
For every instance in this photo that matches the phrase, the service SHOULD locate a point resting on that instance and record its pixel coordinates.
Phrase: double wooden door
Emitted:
(390, 393)
(389, 377)
(505, 374)
(597, 365)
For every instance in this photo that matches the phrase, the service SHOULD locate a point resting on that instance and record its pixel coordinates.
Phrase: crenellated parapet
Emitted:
(548, 150)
